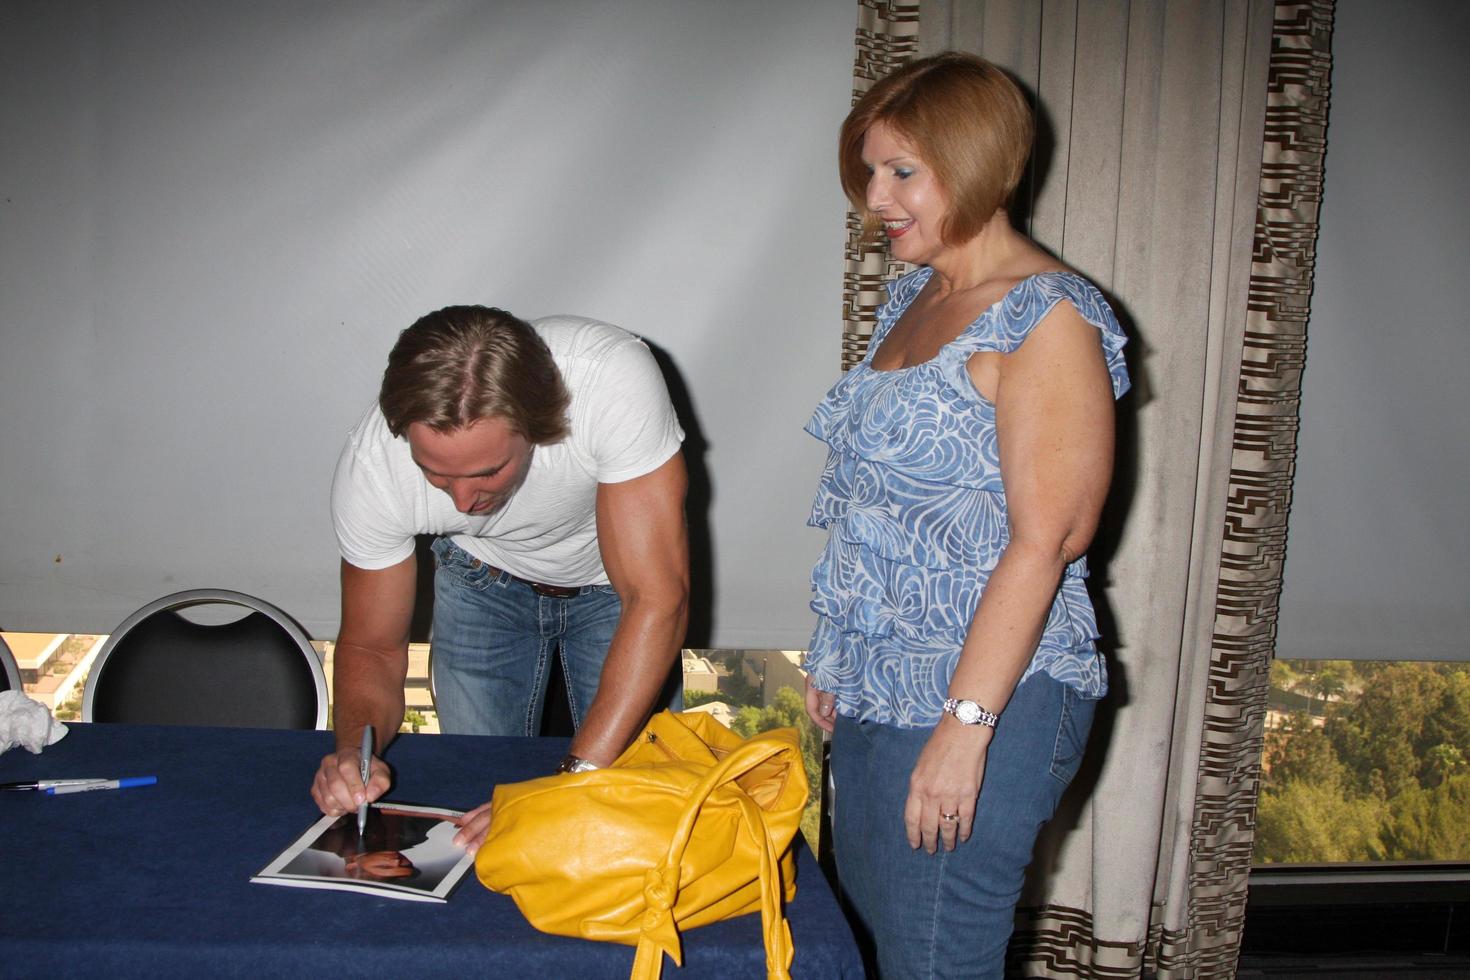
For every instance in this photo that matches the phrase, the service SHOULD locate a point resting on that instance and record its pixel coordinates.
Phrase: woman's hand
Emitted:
(819, 707)
(472, 828)
(945, 786)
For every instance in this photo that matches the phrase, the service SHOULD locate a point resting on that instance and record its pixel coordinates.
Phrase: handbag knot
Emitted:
(659, 926)
(659, 892)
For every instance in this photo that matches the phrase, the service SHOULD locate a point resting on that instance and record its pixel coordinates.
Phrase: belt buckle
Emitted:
(554, 591)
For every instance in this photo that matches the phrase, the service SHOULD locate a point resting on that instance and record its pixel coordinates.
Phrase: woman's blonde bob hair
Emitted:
(964, 118)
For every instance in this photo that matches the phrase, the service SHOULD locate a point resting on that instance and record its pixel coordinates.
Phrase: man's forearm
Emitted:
(645, 549)
(643, 651)
(367, 689)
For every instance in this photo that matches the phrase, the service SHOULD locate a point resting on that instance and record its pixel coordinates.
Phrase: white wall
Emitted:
(215, 218)
(1379, 543)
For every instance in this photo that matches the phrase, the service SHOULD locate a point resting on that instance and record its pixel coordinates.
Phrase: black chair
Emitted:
(259, 671)
(9, 672)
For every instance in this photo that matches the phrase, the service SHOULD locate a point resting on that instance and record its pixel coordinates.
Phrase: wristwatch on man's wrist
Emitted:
(970, 713)
(575, 763)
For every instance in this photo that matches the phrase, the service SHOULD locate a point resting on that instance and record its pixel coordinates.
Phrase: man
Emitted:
(546, 459)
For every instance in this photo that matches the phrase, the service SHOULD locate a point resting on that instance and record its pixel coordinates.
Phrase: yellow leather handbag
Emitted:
(690, 825)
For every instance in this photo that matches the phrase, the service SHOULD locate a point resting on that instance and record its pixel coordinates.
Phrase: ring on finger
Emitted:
(949, 816)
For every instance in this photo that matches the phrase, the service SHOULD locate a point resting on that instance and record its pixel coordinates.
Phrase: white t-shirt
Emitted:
(622, 426)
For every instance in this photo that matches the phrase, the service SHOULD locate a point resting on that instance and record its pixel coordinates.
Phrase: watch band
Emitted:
(575, 763)
(968, 712)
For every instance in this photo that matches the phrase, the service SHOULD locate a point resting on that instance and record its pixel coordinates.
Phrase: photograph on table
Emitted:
(405, 852)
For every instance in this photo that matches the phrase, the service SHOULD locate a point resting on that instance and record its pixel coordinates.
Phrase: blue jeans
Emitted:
(950, 914)
(492, 643)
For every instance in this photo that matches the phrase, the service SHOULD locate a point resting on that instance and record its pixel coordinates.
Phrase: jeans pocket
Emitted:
(450, 559)
(1072, 729)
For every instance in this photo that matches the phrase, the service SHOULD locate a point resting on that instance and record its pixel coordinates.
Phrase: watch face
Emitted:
(967, 712)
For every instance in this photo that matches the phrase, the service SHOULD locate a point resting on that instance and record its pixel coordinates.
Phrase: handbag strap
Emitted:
(660, 933)
(775, 928)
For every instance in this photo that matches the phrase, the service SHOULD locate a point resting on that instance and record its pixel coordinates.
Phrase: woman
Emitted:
(954, 659)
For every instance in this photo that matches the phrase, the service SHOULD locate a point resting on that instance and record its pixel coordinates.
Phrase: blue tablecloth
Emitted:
(155, 881)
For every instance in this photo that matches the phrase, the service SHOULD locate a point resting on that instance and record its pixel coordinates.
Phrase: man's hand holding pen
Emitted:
(339, 787)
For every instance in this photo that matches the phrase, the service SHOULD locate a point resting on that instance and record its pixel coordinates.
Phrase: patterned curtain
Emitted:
(1178, 165)
(1263, 454)
(887, 36)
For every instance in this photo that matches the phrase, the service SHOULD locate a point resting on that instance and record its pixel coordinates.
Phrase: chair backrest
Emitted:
(9, 672)
(259, 671)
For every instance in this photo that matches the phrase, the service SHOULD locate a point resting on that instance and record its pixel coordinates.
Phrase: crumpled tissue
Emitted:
(24, 721)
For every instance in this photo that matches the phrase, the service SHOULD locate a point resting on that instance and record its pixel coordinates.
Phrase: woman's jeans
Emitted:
(493, 638)
(950, 914)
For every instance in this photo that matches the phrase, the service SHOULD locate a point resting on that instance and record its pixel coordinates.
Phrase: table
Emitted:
(156, 880)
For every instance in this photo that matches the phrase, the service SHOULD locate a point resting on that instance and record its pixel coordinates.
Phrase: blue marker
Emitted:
(124, 783)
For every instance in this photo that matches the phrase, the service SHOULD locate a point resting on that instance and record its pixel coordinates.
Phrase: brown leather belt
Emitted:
(553, 591)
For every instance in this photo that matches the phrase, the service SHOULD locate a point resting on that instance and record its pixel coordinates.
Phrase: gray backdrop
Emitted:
(1378, 542)
(215, 218)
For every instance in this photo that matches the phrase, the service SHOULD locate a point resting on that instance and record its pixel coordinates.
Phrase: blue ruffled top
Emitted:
(912, 500)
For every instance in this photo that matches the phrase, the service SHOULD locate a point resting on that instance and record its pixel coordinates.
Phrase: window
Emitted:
(419, 715)
(1365, 761)
(53, 667)
(754, 691)
(749, 691)
(1362, 844)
